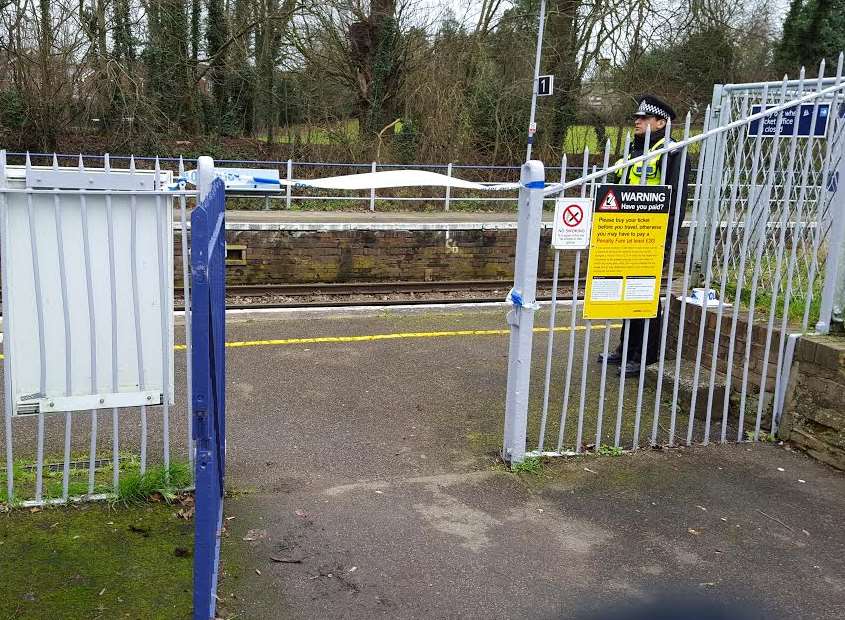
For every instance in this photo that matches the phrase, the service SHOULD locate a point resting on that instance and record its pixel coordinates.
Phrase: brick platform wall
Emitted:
(814, 416)
(692, 324)
(301, 257)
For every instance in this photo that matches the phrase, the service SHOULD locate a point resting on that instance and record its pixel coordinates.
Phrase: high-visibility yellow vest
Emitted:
(653, 169)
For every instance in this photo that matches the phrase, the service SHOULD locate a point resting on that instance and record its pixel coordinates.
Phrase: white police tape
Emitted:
(514, 298)
(699, 297)
(240, 178)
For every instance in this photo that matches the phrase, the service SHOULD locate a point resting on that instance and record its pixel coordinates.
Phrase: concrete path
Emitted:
(365, 483)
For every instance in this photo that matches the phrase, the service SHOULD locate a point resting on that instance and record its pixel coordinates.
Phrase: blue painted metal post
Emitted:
(208, 259)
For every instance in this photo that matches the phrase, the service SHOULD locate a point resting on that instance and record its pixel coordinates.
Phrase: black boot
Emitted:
(632, 369)
(614, 358)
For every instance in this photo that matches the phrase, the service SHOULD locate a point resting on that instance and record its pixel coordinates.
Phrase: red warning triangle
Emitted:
(610, 202)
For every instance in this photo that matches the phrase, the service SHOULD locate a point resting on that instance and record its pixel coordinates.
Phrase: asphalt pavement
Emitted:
(364, 482)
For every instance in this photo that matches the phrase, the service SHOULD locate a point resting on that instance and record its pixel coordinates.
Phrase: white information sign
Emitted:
(571, 230)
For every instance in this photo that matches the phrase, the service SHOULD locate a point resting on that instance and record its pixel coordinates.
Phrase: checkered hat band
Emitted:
(651, 110)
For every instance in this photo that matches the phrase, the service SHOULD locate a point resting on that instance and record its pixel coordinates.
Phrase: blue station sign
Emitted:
(796, 121)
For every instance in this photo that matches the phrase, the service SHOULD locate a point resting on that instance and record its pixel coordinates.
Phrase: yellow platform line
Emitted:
(394, 336)
(375, 337)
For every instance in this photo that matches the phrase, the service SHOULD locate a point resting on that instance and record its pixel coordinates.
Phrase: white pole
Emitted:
(521, 316)
(205, 175)
(373, 191)
(290, 176)
(448, 187)
(536, 77)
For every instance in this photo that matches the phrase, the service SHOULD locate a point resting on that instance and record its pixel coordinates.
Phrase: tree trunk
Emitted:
(563, 54)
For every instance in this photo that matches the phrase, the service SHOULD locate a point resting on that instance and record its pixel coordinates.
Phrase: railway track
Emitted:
(270, 296)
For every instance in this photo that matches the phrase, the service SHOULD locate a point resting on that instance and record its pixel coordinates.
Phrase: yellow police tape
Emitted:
(373, 337)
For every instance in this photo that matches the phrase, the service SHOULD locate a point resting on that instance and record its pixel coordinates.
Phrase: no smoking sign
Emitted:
(571, 229)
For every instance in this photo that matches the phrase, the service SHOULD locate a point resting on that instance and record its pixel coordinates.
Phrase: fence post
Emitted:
(703, 221)
(833, 292)
(290, 176)
(205, 175)
(373, 191)
(521, 316)
(448, 187)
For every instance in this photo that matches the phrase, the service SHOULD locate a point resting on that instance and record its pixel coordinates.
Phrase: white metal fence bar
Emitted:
(550, 343)
(186, 292)
(667, 300)
(4, 286)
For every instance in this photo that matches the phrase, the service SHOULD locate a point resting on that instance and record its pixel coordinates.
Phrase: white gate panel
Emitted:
(89, 295)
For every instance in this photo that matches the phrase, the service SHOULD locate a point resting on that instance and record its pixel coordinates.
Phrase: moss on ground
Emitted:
(96, 561)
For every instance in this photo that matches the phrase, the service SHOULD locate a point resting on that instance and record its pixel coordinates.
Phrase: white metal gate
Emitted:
(765, 230)
(88, 325)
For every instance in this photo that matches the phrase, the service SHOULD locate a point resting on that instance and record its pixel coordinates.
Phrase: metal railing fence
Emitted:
(725, 379)
(291, 197)
(799, 177)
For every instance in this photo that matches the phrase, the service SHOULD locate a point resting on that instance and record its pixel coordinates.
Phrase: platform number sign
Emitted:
(545, 85)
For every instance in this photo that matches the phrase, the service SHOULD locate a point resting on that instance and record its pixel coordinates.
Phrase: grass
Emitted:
(96, 560)
(578, 137)
(337, 133)
(765, 296)
(133, 486)
(137, 488)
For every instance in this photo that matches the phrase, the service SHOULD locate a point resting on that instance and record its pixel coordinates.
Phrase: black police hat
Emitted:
(649, 105)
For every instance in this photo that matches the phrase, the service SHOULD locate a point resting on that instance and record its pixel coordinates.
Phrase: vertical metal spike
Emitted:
(131, 164)
(106, 163)
(55, 162)
(157, 178)
(81, 164)
(585, 169)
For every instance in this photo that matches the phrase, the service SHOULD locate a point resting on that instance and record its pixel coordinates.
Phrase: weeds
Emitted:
(764, 437)
(605, 450)
(531, 465)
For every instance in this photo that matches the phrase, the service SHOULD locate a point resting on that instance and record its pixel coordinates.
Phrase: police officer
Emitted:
(652, 113)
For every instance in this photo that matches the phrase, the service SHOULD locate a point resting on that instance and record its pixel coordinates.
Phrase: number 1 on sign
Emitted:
(545, 85)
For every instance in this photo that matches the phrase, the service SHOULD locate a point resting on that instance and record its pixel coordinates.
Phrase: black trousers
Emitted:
(635, 338)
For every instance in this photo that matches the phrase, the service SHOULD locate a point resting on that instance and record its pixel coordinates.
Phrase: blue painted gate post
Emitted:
(208, 330)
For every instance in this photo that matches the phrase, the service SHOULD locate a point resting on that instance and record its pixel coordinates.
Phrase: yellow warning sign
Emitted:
(626, 251)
